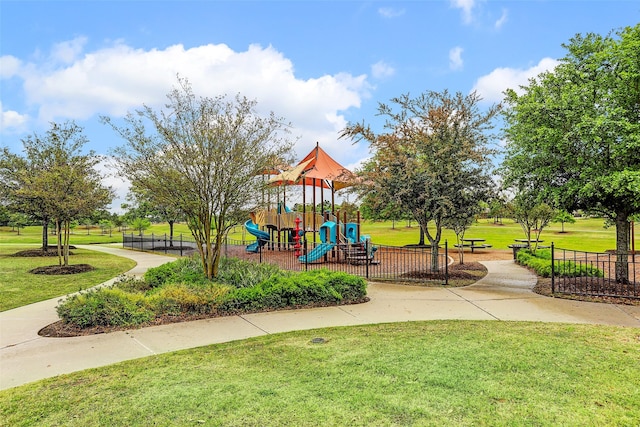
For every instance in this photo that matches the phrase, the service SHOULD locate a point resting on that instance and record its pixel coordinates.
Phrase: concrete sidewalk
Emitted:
(504, 294)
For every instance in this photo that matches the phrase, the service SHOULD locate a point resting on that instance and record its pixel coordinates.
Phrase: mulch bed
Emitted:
(60, 329)
(56, 270)
(35, 253)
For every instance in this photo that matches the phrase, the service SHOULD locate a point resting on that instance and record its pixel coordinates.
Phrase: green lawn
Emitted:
(18, 287)
(457, 373)
(587, 234)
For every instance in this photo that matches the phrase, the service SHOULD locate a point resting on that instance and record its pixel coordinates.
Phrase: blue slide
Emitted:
(317, 253)
(327, 237)
(262, 236)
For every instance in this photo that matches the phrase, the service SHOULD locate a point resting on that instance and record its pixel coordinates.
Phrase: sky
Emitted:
(318, 64)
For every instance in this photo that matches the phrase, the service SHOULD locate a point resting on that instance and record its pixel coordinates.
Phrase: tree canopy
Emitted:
(573, 134)
(432, 157)
(202, 156)
(54, 180)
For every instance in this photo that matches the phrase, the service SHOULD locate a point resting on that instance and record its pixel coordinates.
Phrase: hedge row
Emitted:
(540, 261)
(176, 289)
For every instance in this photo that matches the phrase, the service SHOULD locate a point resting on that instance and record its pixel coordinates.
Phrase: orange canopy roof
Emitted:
(320, 166)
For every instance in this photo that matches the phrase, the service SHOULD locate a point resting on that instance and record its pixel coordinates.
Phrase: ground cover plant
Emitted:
(19, 287)
(180, 291)
(540, 262)
(419, 373)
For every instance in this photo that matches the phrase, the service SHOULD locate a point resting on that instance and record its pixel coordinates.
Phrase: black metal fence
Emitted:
(594, 274)
(371, 261)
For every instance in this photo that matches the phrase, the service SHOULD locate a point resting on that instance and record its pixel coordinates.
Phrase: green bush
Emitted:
(176, 299)
(105, 307)
(540, 261)
(312, 288)
(245, 274)
(183, 270)
(180, 288)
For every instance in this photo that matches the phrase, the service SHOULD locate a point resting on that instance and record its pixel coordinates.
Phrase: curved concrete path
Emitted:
(504, 294)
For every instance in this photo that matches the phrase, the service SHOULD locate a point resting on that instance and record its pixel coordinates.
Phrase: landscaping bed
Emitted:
(179, 291)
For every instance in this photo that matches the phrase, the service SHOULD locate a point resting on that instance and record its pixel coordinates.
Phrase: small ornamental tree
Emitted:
(202, 156)
(562, 216)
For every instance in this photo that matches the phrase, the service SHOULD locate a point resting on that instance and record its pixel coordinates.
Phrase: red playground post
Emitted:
(296, 237)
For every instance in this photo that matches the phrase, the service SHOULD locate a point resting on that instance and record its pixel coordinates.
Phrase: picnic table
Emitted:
(524, 244)
(473, 244)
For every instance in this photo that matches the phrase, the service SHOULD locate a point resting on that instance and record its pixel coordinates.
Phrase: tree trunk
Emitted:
(59, 233)
(45, 235)
(622, 248)
(421, 242)
(171, 233)
(65, 249)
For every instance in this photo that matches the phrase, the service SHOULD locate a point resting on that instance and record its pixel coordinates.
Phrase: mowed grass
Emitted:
(587, 234)
(457, 373)
(18, 287)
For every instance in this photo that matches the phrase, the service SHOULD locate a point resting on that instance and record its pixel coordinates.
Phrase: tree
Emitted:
(106, 225)
(18, 221)
(574, 133)
(54, 181)
(203, 156)
(531, 215)
(562, 216)
(463, 217)
(140, 224)
(147, 204)
(435, 147)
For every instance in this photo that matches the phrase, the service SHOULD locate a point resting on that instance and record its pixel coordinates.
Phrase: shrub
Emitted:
(245, 274)
(540, 261)
(105, 307)
(180, 288)
(312, 288)
(183, 270)
(176, 299)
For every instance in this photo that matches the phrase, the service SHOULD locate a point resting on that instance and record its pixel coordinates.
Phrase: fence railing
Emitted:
(371, 261)
(594, 274)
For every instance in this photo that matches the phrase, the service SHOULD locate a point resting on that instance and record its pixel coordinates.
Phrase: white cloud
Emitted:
(12, 121)
(455, 58)
(381, 70)
(66, 52)
(466, 6)
(9, 66)
(120, 78)
(502, 20)
(492, 85)
(390, 12)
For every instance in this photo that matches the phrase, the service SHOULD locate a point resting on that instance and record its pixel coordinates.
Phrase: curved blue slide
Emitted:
(262, 236)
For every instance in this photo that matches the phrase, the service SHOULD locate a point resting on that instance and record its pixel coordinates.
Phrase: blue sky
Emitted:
(319, 64)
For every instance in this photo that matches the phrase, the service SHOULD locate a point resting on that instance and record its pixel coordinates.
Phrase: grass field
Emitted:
(18, 287)
(587, 234)
(457, 373)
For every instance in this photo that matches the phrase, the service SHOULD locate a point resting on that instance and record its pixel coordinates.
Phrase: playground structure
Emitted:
(286, 230)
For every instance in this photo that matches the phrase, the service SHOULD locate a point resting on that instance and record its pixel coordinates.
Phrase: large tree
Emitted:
(54, 180)
(203, 156)
(573, 134)
(433, 151)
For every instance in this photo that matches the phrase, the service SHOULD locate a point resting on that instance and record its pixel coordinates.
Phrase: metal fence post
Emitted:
(446, 262)
(553, 281)
(366, 249)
